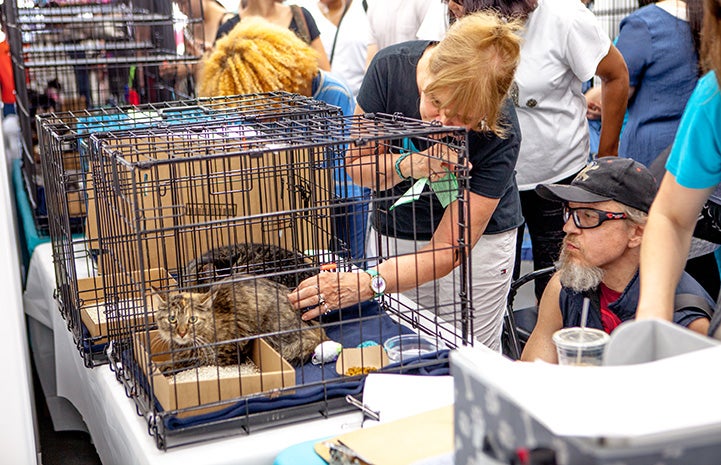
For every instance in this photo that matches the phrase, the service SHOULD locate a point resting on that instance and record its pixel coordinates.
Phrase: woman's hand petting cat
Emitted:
(328, 291)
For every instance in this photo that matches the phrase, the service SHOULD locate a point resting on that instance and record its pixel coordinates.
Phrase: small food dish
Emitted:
(408, 346)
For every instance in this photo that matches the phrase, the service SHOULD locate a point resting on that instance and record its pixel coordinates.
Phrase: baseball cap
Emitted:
(610, 178)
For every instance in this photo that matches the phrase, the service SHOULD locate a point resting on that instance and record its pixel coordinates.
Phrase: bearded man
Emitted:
(604, 211)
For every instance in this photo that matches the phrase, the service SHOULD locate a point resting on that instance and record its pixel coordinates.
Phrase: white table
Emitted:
(120, 435)
(80, 398)
(17, 441)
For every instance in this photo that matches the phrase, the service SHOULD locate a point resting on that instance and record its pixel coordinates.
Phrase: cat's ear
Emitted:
(208, 297)
(159, 297)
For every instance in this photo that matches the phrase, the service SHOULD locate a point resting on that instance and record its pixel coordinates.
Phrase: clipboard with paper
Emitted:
(401, 442)
(417, 422)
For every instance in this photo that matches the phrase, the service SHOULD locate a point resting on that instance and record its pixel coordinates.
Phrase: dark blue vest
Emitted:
(571, 303)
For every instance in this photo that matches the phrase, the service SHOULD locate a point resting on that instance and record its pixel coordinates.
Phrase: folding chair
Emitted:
(519, 323)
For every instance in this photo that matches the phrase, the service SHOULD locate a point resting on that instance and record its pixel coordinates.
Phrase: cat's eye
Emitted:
(193, 319)
(172, 319)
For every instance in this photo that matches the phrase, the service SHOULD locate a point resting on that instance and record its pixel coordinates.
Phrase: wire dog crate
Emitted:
(206, 232)
(64, 146)
(87, 54)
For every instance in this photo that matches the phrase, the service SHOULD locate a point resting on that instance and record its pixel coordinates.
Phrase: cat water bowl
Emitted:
(408, 346)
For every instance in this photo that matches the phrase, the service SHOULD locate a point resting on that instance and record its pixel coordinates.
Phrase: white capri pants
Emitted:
(491, 261)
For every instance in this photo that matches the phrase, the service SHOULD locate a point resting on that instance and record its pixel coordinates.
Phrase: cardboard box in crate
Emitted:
(132, 305)
(280, 197)
(196, 391)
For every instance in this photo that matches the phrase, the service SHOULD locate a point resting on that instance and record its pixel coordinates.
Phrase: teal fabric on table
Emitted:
(300, 453)
(30, 236)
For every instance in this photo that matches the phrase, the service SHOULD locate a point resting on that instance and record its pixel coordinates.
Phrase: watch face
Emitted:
(378, 284)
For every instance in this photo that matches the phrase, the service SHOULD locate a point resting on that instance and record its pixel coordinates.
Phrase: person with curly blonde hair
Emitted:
(462, 80)
(257, 56)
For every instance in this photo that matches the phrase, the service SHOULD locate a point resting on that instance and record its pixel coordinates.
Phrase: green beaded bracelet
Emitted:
(398, 165)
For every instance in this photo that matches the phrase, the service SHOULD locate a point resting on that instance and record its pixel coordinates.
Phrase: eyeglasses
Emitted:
(589, 218)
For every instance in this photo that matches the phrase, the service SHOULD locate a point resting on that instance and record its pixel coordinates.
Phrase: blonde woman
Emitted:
(461, 81)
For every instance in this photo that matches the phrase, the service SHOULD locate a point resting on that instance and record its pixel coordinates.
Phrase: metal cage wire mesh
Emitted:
(170, 198)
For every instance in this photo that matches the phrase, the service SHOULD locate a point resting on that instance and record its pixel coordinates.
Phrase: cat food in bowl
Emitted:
(408, 346)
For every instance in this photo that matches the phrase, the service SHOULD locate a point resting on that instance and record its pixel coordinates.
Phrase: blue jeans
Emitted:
(594, 132)
(350, 220)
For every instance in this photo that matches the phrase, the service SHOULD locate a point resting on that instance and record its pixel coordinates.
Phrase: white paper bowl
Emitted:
(408, 346)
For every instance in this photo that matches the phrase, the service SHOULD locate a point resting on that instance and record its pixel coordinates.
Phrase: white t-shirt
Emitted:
(351, 49)
(394, 21)
(435, 24)
(562, 46)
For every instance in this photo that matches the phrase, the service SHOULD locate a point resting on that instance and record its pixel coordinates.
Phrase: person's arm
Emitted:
(371, 52)
(439, 256)
(540, 345)
(594, 104)
(665, 246)
(700, 325)
(364, 164)
(403, 272)
(614, 98)
(323, 62)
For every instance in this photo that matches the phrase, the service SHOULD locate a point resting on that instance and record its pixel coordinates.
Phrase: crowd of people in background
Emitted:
(553, 98)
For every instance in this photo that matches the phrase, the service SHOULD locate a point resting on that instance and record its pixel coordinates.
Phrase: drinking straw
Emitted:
(584, 317)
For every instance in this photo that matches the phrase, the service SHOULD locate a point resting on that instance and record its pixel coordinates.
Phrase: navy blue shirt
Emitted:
(571, 303)
(389, 86)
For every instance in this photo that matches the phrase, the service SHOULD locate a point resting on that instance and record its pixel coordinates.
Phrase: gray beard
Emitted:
(575, 276)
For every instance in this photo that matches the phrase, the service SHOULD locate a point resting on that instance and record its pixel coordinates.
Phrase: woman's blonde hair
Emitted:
(711, 38)
(473, 67)
(257, 56)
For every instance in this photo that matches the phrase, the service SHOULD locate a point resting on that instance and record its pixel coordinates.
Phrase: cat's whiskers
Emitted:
(158, 345)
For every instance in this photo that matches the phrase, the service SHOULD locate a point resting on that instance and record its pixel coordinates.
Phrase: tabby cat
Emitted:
(192, 323)
(248, 258)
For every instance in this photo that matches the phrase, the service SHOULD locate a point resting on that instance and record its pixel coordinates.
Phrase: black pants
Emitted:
(705, 270)
(544, 219)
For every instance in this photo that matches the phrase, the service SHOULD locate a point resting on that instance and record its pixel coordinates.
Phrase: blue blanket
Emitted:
(350, 326)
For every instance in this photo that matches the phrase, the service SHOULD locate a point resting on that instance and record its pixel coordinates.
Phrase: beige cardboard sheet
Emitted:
(400, 442)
